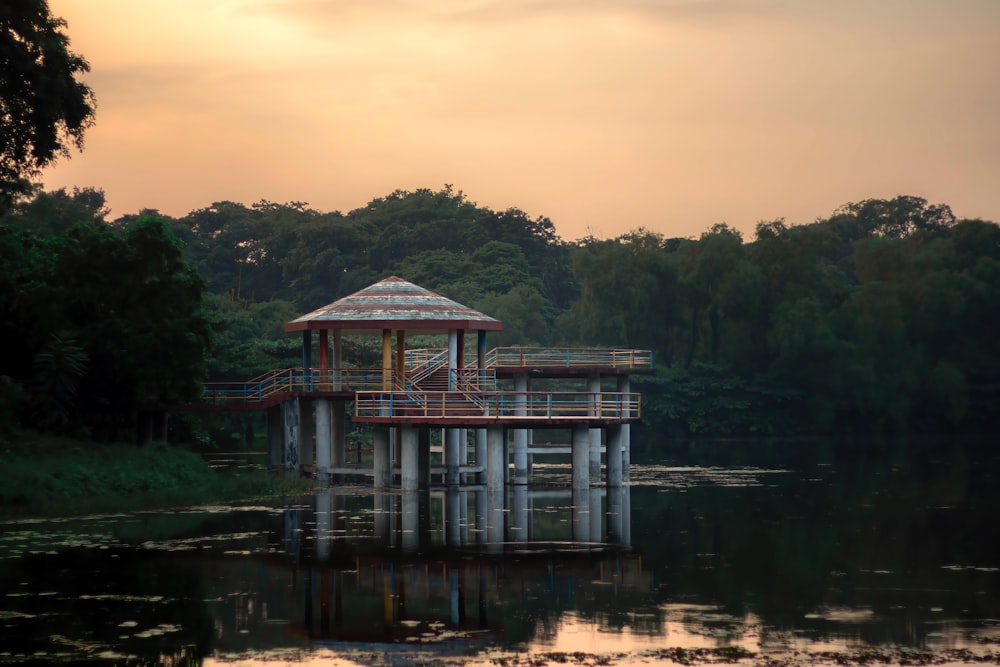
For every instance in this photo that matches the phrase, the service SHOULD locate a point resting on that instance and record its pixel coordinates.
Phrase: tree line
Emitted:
(880, 318)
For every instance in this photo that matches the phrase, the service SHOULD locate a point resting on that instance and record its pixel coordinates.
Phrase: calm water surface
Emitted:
(798, 545)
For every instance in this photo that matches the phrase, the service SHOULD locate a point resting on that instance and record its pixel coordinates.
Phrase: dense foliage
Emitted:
(878, 319)
(44, 105)
(99, 321)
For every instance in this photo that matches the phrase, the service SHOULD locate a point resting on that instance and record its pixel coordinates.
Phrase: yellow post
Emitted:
(386, 359)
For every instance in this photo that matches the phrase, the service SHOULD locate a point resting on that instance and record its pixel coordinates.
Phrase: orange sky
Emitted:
(601, 115)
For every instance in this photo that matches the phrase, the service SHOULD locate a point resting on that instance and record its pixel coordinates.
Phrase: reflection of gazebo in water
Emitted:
(416, 390)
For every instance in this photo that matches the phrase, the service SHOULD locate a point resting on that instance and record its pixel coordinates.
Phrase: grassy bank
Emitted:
(45, 475)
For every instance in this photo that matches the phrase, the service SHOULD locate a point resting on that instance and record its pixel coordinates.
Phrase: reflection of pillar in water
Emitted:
(457, 598)
(581, 514)
(519, 513)
(307, 591)
(324, 536)
(453, 516)
(627, 517)
(596, 516)
(481, 505)
(388, 608)
(615, 514)
(382, 511)
(452, 455)
(410, 540)
(494, 519)
(324, 601)
(338, 599)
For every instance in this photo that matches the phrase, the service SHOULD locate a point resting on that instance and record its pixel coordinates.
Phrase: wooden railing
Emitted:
(506, 405)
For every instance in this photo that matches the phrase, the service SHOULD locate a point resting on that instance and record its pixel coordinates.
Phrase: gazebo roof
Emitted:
(395, 304)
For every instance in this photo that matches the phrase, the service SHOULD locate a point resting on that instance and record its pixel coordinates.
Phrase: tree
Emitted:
(44, 107)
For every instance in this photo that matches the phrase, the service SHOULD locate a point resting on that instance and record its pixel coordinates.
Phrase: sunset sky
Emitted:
(604, 116)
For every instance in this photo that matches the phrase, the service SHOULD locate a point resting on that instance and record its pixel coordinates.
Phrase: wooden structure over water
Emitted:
(486, 393)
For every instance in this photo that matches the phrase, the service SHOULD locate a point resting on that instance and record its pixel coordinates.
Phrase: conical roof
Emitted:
(395, 304)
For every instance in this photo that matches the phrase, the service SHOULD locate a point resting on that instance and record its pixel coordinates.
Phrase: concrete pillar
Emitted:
(613, 467)
(594, 389)
(307, 432)
(338, 433)
(481, 454)
(324, 440)
(382, 461)
(494, 460)
(424, 457)
(290, 434)
(482, 510)
(452, 453)
(494, 519)
(624, 386)
(275, 439)
(596, 515)
(409, 459)
(581, 457)
(521, 435)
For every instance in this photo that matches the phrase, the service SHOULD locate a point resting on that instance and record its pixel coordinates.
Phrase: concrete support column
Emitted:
(581, 457)
(452, 455)
(581, 514)
(383, 518)
(596, 515)
(338, 433)
(424, 457)
(307, 432)
(594, 389)
(481, 454)
(453, 498)
(615, 515)
(290, 435)
(275, 441)
(324, 439)
(613, 467)
(409, 459)
(624, 386)
(494, 459)
(521, 387)
(382, 461)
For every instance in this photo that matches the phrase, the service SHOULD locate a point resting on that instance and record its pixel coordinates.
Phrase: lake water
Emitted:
(717, 551)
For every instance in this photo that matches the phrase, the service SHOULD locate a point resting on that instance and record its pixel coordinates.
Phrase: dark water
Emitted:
(794, 545)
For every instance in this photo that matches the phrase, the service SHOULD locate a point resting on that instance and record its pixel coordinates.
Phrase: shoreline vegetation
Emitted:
(46, 475)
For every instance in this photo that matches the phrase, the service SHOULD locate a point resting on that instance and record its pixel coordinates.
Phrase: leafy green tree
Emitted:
(44, 105)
